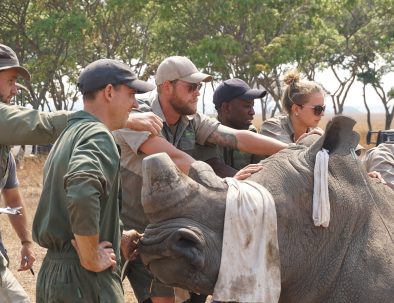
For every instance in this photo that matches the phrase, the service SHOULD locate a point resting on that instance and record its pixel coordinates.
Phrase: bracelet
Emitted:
(26, 242)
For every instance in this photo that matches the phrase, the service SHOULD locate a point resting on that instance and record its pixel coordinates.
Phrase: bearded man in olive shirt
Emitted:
(77, 218)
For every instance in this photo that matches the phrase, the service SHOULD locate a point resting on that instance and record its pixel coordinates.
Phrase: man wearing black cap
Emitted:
(234, 102)
(10, 289)
(77, 217)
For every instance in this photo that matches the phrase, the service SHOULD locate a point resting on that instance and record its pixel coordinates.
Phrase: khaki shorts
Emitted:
(144, 284)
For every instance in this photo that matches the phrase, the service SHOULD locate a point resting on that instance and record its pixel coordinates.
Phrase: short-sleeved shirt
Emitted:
(381, 159)
(280, 128)
(9, 178)
(80, 188)
(236, 158)
(186, 135)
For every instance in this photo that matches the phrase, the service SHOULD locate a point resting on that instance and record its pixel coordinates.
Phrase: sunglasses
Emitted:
(317, 109)
(191, 87)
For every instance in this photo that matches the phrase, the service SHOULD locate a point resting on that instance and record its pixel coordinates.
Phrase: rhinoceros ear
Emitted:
(202, 173)
(339, 137)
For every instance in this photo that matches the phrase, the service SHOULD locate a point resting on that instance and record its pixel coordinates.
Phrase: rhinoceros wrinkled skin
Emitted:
(350, 261)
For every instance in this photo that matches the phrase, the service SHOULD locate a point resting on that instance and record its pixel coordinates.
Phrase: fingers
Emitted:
(27, 258)
(377, 175)
(26, 262)
(129, 243)
(247, 171)
(146, 122)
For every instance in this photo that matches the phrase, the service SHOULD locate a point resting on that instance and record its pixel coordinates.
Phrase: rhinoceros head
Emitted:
(182, 245)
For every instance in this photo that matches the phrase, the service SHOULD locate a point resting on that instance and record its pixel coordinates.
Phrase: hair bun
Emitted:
(291, 77)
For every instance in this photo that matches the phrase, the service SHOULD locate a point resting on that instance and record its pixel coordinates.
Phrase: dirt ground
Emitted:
(30, 184)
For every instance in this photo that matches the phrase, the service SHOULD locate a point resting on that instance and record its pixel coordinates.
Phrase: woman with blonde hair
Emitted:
(303, 101)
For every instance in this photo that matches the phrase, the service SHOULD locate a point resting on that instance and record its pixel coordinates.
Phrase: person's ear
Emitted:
(108, 91)
(295, 109)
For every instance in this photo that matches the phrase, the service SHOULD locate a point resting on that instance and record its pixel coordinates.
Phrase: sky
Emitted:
(327, 79)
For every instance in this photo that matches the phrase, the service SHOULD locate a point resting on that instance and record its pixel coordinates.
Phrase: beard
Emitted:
(183, 107)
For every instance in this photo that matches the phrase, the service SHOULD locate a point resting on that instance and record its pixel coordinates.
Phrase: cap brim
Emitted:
(197, 78)
(22, 87)
(253, 94)
(141, 86)
(21, 71)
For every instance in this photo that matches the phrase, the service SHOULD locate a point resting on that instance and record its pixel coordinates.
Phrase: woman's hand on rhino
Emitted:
(247, 171)
(377, 175)
(128, 244)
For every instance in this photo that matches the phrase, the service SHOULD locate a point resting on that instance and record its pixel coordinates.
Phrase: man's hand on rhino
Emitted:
(377, 175)
(145, 122)
(247, 171)
(129, 243)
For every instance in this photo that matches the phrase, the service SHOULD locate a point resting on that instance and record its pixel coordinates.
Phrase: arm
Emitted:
(155, 145)
(245, 141)
(147, 121)
(94, 256)
(29, 126)
(12, 198)
(381, 159)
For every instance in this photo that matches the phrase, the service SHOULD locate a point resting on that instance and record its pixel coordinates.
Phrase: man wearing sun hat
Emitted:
(77, 218)
(234, 102)
(10, 289)
(178, 82)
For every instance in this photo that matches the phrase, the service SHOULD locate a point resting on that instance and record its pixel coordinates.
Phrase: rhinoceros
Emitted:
(352, 260)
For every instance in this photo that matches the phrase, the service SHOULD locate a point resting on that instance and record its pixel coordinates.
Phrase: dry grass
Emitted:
(30, 179)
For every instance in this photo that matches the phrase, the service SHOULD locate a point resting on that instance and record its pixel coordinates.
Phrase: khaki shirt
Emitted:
(279, 128)
(188, 135)
(381, 159)
(236, 158)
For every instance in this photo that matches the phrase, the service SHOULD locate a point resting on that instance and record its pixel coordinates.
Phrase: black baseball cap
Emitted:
(102, 72)
(235, 88)
(9, 60)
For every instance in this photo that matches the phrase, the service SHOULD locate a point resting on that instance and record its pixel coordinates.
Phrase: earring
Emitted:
(296, 115)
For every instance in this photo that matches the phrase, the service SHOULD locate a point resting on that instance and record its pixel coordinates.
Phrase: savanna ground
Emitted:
(30, 178)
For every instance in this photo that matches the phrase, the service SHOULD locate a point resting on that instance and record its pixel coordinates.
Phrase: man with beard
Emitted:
(10, 289)
(178, 82)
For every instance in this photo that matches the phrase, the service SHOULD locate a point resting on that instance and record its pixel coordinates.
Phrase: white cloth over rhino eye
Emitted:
(321, 201)
(250, 266)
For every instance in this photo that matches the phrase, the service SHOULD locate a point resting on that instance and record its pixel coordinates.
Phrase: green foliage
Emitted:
(256, 40)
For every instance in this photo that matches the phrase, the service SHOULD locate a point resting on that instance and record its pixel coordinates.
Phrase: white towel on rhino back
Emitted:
(250, 266)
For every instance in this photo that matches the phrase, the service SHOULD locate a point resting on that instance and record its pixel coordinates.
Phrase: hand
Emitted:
(377, 175)
(247, 171)
(27, 257)
(128, 244)
(145, 122)
(104, 257)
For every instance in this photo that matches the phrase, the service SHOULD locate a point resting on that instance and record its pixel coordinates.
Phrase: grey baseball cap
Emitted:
(102, 72)
(179, 68)
(9, 60)
(235, 88)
